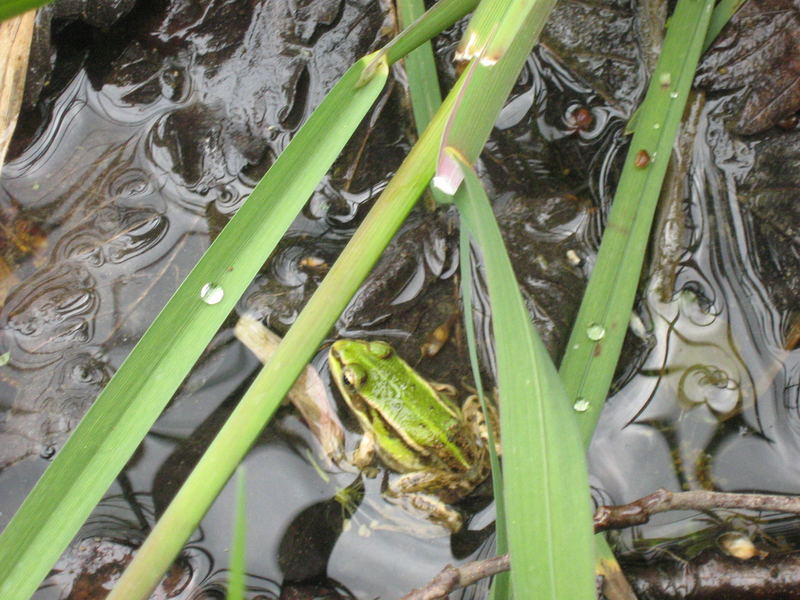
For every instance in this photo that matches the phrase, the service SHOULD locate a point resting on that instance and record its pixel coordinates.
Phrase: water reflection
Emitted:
(698, 381)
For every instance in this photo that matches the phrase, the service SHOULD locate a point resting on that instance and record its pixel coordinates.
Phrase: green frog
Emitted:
(413, 427)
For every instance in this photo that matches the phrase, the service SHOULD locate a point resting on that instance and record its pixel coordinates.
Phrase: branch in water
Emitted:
(452, 578)
(639, 511)
(708, 576)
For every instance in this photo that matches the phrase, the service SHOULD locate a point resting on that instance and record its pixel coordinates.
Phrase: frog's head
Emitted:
(351, 360)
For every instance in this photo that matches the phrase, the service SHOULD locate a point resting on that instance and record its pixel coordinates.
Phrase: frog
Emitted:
(413, 427)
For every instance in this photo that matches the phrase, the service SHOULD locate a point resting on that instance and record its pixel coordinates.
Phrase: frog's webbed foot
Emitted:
(473, 415)
(364, 455)
(431, 508)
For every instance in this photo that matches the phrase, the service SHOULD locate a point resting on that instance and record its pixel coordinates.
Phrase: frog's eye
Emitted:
(380, 349)
(354, 375)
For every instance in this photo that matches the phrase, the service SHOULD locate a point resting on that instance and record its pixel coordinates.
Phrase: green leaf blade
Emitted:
(548, 511)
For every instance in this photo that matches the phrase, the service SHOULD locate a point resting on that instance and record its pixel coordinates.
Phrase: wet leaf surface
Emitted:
(759, 53)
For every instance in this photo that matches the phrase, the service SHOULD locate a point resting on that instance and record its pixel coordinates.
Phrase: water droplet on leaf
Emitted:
(211, 293)
(581, 405)
(595, 332)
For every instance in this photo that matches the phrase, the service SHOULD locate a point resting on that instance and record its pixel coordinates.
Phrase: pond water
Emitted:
(137, 155)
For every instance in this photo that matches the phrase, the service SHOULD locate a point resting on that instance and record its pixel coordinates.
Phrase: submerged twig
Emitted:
(453, 578)
(639, 511)
(710, 573)
(713, 575)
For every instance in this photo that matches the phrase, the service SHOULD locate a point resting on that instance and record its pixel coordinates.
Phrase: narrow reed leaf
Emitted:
(480, 28)
(420, 67)
(276, 378)
(238, 561)
(596, 340)
(501, 586)
(440, 16)
(12, 8)
(719, 18)
(109, 433)
(489, 87)
(495, 26)
(548, 512)
(423, 81)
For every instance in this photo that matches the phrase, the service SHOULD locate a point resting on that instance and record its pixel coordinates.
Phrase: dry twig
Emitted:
(452, 578)
(627, 515)
(639, 511)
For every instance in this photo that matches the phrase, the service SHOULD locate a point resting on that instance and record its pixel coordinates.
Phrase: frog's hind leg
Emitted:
(409, 491)
(433, 509)
(473, 415)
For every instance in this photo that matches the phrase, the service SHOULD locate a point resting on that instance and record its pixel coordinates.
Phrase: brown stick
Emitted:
(639, 511)
(452, 578)
(712, 575)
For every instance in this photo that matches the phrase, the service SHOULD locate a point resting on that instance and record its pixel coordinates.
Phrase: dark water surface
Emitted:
(137, 156)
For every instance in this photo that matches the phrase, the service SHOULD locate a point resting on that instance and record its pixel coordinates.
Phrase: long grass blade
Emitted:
(502, 584)
(719, 18)
(420, 67)
(548, 510)
(238, 562)
(489, 87)
(481, 28)
(130, 403)
(596, 340)
(423, 82)
(100, 446)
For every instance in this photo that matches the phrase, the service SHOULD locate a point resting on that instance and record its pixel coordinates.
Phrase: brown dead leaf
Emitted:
(758, 51)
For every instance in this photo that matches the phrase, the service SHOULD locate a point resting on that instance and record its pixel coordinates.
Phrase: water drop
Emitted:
(673, 95)
(47, 452)
(656, 125)
(211, 293)
(595, 332)
(581, 405)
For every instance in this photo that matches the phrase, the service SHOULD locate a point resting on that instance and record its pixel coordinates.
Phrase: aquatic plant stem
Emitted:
(276, 378)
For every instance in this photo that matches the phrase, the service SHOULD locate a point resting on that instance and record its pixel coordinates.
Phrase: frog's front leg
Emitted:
(364, 455)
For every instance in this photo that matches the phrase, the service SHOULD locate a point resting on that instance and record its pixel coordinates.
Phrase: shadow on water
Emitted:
(138, 152)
